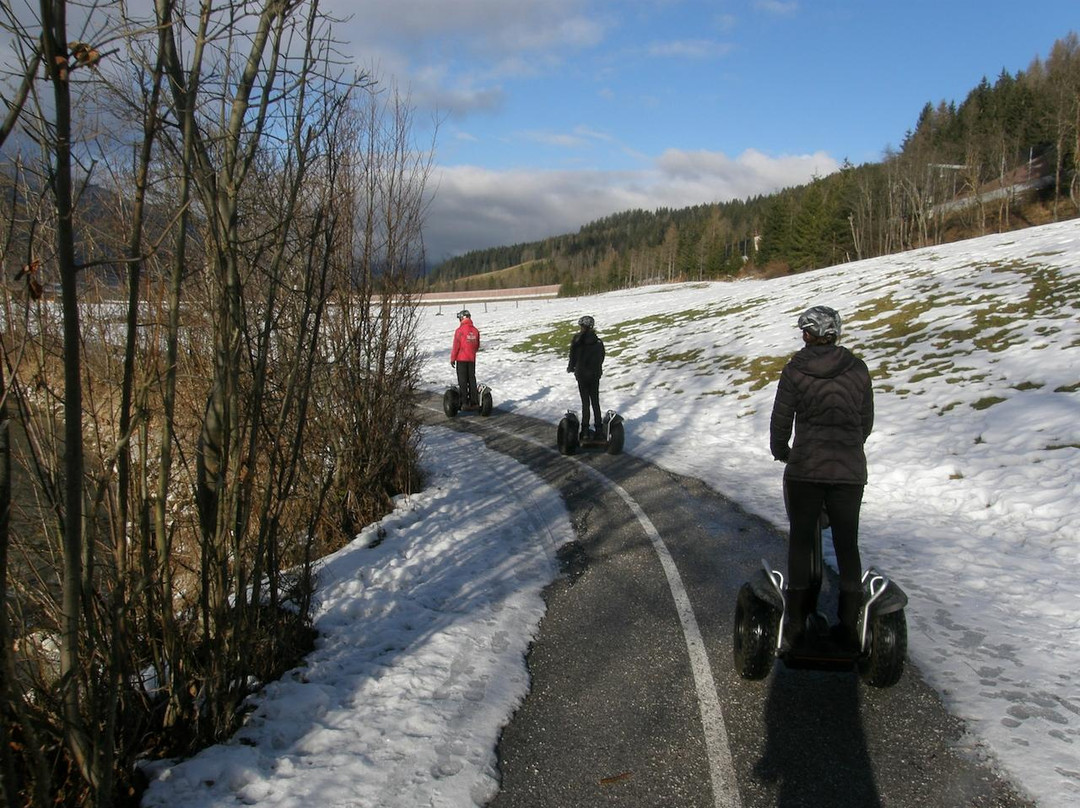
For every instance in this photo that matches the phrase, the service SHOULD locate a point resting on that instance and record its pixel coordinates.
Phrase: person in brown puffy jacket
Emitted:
(825, 394)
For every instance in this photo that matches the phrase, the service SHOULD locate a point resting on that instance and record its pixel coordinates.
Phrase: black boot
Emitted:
(797, 607)
(847, 631)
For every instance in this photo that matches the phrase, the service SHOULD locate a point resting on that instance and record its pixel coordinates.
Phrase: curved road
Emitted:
(634, 701)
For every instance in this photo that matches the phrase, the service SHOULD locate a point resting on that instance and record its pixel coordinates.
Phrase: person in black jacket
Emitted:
(587, 365)
(825, 394)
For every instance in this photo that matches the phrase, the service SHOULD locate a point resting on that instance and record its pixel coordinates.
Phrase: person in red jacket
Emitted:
(463, 358)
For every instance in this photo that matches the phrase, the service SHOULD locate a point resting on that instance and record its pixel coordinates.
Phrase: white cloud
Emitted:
(482, 27)
(689, 49)
(725, 22)
(777, 7)
(593, 134)
(752, 172)
(455, 56)
(560, 139)
(474, 208)
(581, 137)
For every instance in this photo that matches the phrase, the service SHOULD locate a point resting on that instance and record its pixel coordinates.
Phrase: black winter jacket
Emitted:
(825, 392)
(586, 356)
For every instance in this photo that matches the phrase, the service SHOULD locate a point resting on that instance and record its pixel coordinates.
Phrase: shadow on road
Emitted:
(815, 750)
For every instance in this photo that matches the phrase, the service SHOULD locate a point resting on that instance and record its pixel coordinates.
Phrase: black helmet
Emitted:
(586, 322)
(821, 321)
(461, 315)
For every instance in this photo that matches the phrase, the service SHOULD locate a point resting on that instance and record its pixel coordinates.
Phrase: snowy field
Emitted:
(974, 489)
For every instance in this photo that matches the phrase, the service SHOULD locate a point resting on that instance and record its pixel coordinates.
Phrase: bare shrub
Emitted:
(208, 360)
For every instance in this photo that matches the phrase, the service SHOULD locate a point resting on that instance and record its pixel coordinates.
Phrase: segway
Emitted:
(452, 403)
(609, 437)
(881, 630)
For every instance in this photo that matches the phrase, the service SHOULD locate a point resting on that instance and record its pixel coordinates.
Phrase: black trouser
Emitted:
(842, 503)
(466, 379)
(589, 389)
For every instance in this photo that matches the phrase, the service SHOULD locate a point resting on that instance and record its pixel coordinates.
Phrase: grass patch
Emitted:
(932, 370)
(974, 378)
(887, 369)
(671, 357)
(754, 372)
(553, 341)
(996, 316)
(889, 325)
(762, 371)
(987, 402)
(998, 324)
(618, 332)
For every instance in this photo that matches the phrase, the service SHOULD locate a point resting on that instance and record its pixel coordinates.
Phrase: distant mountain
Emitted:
(1004, 158)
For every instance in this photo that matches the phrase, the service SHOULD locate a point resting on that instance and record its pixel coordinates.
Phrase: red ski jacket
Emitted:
(466, 342)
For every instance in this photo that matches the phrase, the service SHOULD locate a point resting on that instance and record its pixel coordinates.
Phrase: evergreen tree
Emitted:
(953, 150)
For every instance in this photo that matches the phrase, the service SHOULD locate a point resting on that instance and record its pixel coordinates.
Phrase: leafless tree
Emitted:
(236, 406)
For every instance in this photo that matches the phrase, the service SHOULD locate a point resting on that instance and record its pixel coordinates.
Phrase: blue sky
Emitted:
(554, 113)
(557, 112)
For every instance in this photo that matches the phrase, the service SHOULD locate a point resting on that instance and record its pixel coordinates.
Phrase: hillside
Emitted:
(974, 348)
(974, 487)
(771, 235)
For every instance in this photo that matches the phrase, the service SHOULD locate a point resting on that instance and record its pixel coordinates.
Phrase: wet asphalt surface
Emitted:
(613, 718)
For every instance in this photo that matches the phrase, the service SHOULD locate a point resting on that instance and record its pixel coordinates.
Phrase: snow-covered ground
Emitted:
(972, 504)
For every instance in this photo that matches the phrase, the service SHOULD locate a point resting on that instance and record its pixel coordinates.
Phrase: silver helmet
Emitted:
(821, 321)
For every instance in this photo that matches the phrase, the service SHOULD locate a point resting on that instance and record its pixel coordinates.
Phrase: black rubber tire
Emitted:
(485, 404)
(567, 438)
(754, 641)
(884, 663)
(616, 437)
(451, 402)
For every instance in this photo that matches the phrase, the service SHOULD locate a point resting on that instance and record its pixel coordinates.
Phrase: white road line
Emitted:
(721, 766)
(717, 748)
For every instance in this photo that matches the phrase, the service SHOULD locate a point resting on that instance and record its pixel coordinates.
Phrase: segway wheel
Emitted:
(616, 437)
(756, 629)
(567, 437)
(451, 402)
(884, 663)
(485, 404)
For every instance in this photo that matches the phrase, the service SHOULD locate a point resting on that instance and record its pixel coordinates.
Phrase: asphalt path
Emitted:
(634, 700)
